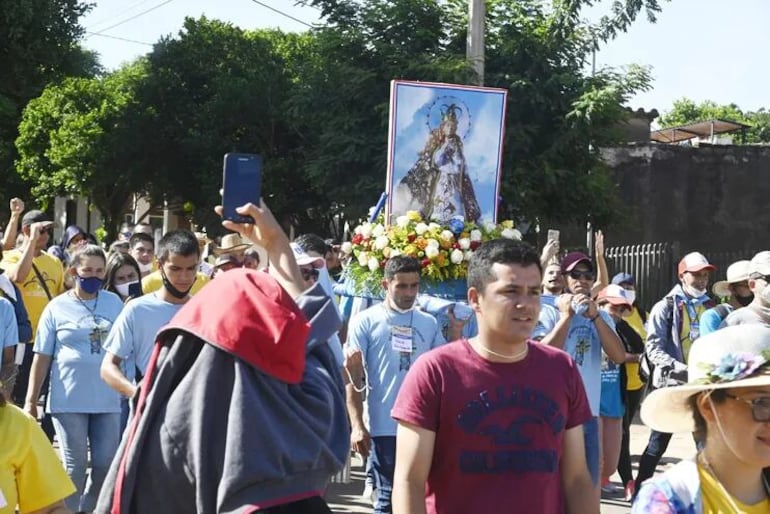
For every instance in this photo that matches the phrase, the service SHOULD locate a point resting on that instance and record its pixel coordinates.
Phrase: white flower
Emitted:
(362, 258)
(395, 253)
(510, 233)
(467, 254)
(446, 235)
(366, 230)
(402, 221)
(434, 226)
(381, 242)
(476, 235)
(432, 243)
(373, 264)
(378, 230)
(431, 252)
(465, 243)
(346, 247)
(456, 257)
(490, 227)
(421, 228)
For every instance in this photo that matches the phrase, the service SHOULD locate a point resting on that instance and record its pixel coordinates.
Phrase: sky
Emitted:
(699, 49)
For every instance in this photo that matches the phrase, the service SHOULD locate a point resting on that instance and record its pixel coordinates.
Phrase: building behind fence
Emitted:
(654, 267)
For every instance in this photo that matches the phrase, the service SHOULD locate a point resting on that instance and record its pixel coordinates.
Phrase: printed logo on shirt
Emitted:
(582, 334)
(534, 412)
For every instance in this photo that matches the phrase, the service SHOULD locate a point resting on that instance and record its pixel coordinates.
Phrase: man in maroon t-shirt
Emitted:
(494, 423)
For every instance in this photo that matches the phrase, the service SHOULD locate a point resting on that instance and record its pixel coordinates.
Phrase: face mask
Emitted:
(90, 285)
(631, 295)
(176, 293)
(691, 291)
(144, 268)
(122, 289)
(744, 300)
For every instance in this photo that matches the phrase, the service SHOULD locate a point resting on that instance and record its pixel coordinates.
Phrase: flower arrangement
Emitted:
(734, 366)
(443, 250)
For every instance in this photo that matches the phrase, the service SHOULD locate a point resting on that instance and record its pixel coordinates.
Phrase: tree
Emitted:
(40, 45)
(84, 136)
(686, 111)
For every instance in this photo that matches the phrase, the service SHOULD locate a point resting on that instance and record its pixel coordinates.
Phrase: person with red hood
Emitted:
(242, 407)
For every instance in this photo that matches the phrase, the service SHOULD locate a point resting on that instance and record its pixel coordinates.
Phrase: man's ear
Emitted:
(474, 297)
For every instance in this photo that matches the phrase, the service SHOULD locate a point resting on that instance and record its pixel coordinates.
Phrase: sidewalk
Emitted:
(344, 498)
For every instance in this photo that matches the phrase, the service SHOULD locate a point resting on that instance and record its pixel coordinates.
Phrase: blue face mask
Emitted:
(90, 285)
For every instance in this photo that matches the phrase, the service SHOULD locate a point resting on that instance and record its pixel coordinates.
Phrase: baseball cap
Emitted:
(615, 295)
(760, 264)
(736, 272)
(694, 262)
(572, 259)
(303, 259)
(34, 216)
(623, 278)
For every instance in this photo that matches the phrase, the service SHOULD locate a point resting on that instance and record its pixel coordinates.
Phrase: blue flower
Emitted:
(735, 366)
(457, 225)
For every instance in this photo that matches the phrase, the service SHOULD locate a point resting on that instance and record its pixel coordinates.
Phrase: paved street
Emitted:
(347, 497)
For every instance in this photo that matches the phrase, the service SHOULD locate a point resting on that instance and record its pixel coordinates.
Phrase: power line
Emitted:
(119, 38)
(283, 13)
(116, 15)
(100, 32)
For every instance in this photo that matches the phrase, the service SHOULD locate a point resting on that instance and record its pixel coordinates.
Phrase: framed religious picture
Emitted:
(445, 151)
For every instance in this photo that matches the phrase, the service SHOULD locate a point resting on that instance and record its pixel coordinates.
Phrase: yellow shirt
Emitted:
(32, 292)
(154, 282)
(715, 502)
(634, 383)
(30, 472)
(684, 335)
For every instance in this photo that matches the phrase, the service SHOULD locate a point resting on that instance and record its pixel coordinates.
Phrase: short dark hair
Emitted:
(500, 251)
(313, 243)
(181, 242)
(401, 264)
(253, 253)
(140, 237)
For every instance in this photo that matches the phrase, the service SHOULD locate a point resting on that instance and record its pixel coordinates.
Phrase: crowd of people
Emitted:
(174, 383)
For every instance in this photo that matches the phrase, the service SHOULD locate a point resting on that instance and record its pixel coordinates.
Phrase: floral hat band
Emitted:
(737, 356)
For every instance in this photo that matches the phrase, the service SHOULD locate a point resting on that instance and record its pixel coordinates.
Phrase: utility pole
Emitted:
(475, 48)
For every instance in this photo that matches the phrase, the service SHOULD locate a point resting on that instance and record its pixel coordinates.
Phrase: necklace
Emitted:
(90, 310)
(502, 355)
(727, 495)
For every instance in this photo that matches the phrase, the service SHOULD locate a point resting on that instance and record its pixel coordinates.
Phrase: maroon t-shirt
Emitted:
(499, 427)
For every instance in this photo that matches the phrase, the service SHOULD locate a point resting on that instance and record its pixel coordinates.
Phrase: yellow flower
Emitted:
(414, 215)
(507, 224)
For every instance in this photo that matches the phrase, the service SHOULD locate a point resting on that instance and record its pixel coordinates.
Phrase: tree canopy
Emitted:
(315, 105)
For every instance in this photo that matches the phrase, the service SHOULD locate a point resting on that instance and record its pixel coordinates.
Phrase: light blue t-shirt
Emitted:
(611, 404)
(371, 331)
(73, 336)
(133, 335)
(546, 322)
(8, 325)
(584, 346)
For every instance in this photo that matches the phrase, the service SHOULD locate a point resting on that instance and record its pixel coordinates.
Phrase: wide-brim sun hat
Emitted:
(737, 356)
(736, 272)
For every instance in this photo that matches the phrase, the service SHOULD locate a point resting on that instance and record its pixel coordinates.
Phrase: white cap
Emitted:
(303, 259)
(760, 264)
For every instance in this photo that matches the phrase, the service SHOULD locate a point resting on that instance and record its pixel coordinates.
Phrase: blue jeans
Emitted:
(76, 433)
(591, 439)
(383, 457)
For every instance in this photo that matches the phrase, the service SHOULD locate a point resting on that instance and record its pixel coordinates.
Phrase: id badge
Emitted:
(401, 339)
(694, 331)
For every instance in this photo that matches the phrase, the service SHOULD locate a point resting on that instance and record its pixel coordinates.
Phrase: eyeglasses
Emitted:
(759, 276)
(307, 274)
(760, 407)
(582, 275)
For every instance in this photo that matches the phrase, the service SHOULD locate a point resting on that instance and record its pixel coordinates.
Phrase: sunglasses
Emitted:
(307, 274)
(582, 275)
(760, 407)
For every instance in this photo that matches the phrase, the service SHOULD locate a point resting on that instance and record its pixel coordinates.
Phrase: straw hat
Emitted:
(231, 243)
(737, 356)
(736, 272)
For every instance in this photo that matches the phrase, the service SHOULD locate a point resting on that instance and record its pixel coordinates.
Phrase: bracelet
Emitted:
(593, 320)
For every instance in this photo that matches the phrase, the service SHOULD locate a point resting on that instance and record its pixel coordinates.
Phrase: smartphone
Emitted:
(241, 184)
(553, 235)
(135, 290)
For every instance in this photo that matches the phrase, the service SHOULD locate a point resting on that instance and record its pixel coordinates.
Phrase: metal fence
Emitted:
(654, 266)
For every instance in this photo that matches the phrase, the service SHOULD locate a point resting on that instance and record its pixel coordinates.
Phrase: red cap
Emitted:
(572, 259)
(615, 295)
(694, 262)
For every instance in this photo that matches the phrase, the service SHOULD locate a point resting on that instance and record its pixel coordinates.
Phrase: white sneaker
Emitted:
(368, 493)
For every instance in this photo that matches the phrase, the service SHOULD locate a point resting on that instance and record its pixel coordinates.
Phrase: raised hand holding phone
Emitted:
(241, 185)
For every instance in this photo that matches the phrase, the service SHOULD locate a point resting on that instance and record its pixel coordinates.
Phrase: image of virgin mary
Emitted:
(438, 185)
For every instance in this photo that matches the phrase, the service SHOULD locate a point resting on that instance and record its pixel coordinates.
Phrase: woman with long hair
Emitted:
(122, 273)
(84, 409)
(726, 404)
